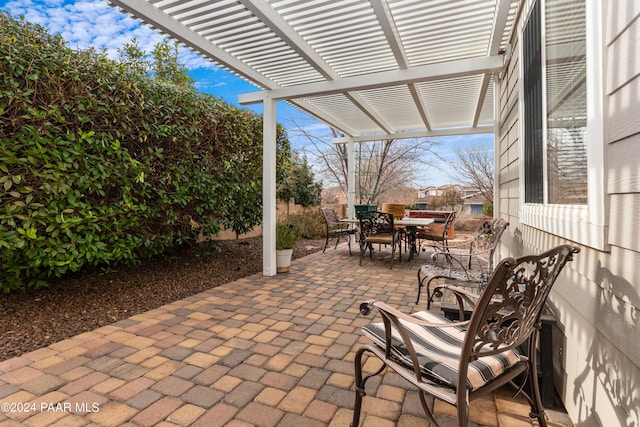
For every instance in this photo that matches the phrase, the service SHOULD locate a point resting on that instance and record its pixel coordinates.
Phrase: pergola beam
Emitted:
(313, 111)
(268, 16)
(419, 134)
(440, 71)
(381, 9)
(149, 14)
(499, 25)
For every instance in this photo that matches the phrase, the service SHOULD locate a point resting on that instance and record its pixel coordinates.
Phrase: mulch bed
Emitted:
(79, 303)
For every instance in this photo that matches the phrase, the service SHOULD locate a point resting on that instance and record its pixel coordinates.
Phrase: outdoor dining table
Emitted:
(410, 224)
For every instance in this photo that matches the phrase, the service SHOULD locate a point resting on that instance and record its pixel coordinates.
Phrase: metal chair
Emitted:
(377, 227)
(475, 256)
(458, 362)
(337, 229)
(437, 234)
(397, 209)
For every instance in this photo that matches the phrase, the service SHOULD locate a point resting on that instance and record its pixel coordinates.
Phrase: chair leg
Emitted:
(393, 253)
(463, 410)
(420, 287)
(537, 410)
(326, 243)
(359, 389)
(425, 407)
(347, 237)
(427, 288)
(359, 385)
(364, 246)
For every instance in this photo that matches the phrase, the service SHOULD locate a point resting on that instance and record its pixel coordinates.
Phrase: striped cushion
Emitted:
(439, 351)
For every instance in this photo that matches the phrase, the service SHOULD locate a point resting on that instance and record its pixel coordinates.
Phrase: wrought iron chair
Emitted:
(336, 229)
(458, 362)
(437, 234)
(377, 227)
(475, 256)
(397, 209)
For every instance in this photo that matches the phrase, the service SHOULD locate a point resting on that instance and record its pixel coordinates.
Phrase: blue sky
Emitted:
(93, 23)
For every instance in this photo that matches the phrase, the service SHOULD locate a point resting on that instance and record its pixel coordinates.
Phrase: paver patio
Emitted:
(260, 351)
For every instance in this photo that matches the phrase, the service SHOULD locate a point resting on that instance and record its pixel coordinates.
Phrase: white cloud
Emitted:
(93, 23)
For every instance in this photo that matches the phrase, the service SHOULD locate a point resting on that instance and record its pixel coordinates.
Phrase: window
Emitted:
(562, 110)
(533, 124)
(566, 71)
(555, 149)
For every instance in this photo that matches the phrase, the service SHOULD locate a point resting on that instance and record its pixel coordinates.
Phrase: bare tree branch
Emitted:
(475, 168)
(384, 169)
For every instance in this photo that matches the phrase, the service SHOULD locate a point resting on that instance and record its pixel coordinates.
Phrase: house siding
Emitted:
(597, 299)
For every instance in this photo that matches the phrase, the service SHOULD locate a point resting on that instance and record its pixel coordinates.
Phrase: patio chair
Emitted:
(397, 209)
(377, 227)
(437, 234)
(474, 257)
(458, 362)
(337, 229)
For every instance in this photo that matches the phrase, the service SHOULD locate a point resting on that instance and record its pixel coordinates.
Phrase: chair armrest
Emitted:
(458, 287)
(462, 295)
(463, 244)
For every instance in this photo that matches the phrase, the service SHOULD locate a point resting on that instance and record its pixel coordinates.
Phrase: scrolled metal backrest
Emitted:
(448, 222)
(510, 306)
(487, 235)
(330, 216)
(376, 223)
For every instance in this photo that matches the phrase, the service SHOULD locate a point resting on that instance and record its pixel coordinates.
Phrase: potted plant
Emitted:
(287, 236)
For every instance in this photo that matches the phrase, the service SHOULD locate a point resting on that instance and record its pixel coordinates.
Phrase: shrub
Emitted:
(102, 165)
(287, 235)
(310, 222)
(487, 208)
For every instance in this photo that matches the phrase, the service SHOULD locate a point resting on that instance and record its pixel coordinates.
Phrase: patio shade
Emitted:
(371, 69)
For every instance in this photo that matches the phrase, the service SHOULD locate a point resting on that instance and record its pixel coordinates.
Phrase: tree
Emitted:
(384, 169)
(475, 168)
(294, 177)
(134, 57)
(449, 200)
(164, 64)
(299, 183)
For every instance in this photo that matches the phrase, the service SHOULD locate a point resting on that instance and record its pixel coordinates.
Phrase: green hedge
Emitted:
(102, 165)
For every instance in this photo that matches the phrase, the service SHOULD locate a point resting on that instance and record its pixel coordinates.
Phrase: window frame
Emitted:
(585, 224)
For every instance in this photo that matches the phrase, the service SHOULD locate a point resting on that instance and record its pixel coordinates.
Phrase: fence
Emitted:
(283, 210)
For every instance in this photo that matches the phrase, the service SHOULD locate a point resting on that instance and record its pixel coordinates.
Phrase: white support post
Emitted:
(351, 179)
(269, 217)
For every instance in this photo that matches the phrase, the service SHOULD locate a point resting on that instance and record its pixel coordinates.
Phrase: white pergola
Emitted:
(371, 69)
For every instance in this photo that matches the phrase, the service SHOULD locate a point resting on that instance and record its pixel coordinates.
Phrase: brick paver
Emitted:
(261, 351)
